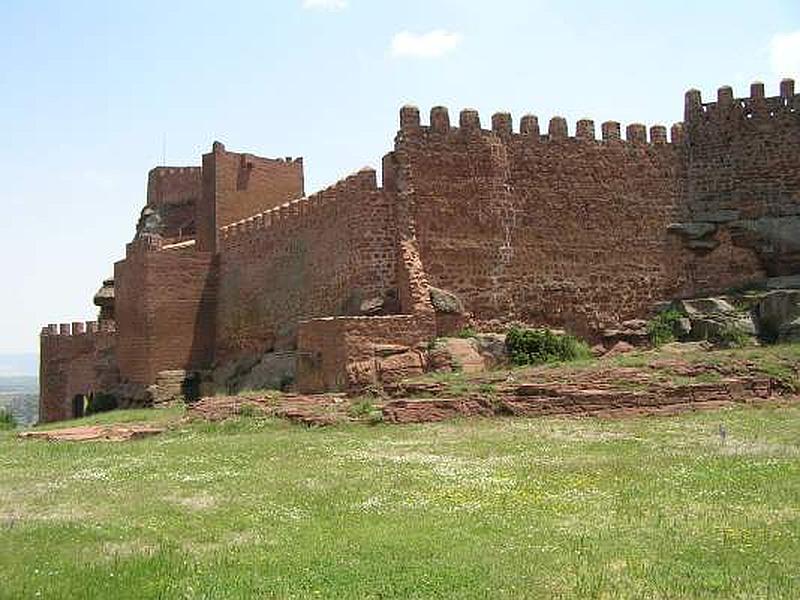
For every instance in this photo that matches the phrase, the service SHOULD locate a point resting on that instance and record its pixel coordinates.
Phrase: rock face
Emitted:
(492, 347)
(104, 300)
(445, 302)
(271, 371)
(457, 354)
(713, 319)
(775, 239)
(478, 353)
(451, 317)
(779, 316)
(633, 332)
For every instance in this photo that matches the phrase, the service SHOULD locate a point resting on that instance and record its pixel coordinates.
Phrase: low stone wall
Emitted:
(345, 353)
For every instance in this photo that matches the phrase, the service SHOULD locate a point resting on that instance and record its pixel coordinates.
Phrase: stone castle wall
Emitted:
(550, 229)
(317, 256)
(743, 184)
(165, 307)
(77, 359)
(579, 229)
(237, 186)
(174, 193)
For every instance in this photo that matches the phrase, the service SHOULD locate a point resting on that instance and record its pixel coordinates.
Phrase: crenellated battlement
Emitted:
(77, 328)
(502, 126)
(162, 172)
(727, 108)
(289, 213)
(173, 185)
(144, 243)
(577, 225)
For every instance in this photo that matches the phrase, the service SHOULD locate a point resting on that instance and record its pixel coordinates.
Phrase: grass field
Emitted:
(505, 508)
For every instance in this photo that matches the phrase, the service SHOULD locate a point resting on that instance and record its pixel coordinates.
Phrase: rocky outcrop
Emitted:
(445, 302)
(775, 239)
(450, 314)
(633, 332)
(713, 319)
(105, 433)
(104, 300)
(778, 316)
(270, 371)
(456, 354)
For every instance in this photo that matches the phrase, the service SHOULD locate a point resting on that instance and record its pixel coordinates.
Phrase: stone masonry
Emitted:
(232, 262)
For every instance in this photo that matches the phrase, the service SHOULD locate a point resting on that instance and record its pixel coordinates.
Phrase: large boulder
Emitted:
(492, 347)
(775, 239)
(456, 354)
(778, 316)
(269, 371)
(445, 302)
(633, 332)
(714, 319)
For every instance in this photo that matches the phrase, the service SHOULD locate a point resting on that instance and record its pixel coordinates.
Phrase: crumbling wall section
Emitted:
(352, 353)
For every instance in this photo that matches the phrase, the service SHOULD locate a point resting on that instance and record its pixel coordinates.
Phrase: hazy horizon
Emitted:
(19, 364)
(96, 94)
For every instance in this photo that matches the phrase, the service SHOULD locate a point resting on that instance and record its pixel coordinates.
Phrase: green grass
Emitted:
(504, 508)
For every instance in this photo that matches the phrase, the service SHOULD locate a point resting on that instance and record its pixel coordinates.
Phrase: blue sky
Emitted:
(90, 91)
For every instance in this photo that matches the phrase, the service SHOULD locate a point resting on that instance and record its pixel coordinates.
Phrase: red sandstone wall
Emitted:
(343, 353)
(237, 186)
(743, 177)
(174, 192)
(173, 185)
(558, 230)
(301, 261)
(165, 306)
(74, 360)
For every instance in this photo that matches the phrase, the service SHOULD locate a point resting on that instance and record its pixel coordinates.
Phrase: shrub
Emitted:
(6, 419)
(733, 337)
(361, 408)
(364, 408)
(466, 333)
(537, 346)
(661, 328)
(99, 403)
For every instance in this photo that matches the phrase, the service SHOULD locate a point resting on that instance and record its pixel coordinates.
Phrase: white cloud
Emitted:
(784, 54)
(325, 4)
(424, 45)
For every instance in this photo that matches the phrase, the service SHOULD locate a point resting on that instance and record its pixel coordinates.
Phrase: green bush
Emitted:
(364, 408)
(733, 337)
(361, 407)
(537, 346)
(99, 403)
(466, 333)
(661, 328)
(6, 419)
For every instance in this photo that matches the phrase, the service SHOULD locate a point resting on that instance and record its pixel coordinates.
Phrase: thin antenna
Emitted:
(164, 149)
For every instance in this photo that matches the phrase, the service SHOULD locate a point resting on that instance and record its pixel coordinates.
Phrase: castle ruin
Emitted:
(232, 266)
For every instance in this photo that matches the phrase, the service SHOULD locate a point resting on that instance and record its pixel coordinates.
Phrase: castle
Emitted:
(232, 267)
